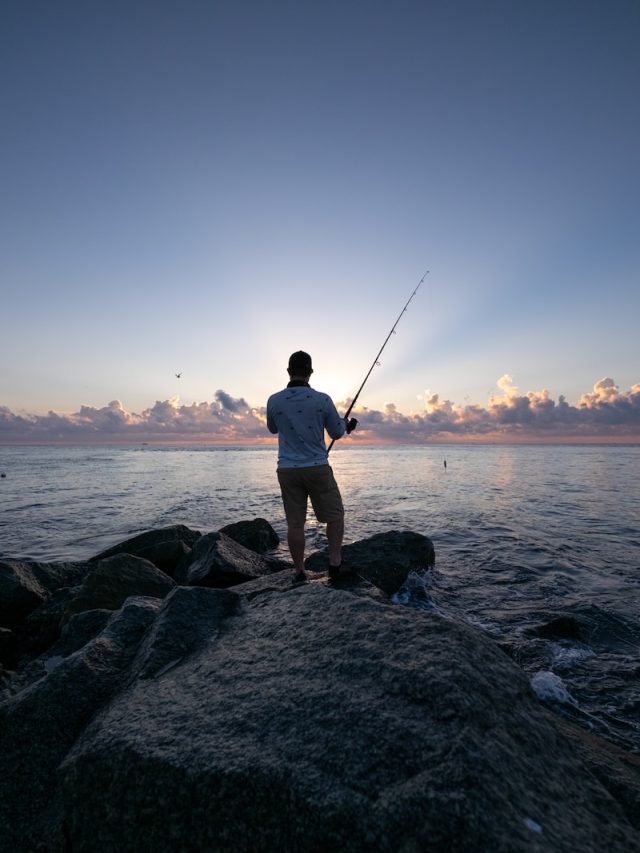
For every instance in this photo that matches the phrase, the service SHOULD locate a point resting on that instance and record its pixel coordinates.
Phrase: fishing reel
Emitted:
(352, 423)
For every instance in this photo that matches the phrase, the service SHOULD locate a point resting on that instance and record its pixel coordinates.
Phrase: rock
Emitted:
(592, 625)
(41, 628)
(218, 561)
(8, 648)
(315, 720)
(24, 585)
(110, 582)
(80, 630)
(39, 726)
(5, 681)
(257, 535)
(618, 771)
(281, 582)
(308, 718)
(20, 592)
(164, 547)
(384, 559)
(560, 628)
(188, 619)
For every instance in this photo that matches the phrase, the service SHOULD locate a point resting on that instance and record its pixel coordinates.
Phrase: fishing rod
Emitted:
(375, 360)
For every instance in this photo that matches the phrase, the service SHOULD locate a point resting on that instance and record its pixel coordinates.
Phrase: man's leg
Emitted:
(335, 533)
(295, 540)
(294, 497)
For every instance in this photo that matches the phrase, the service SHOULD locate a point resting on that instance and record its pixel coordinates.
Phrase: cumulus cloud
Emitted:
(225, 420)
(227, 402)
(603, 414)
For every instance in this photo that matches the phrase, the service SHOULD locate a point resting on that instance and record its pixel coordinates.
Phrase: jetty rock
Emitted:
(26, 584)
(256, 535)
(217, 560)
(271, 717)
(111, 581)
(384, 559)
(164, 547)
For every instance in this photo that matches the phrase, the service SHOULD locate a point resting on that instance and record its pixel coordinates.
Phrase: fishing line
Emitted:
(376, 363)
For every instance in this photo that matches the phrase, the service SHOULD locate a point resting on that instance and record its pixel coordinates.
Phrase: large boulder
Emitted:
(384, 559)
(314, 720)
(164, 547)
(39, 726)
(257, 535)
(24, 585)
(219, 561)
(110, 582)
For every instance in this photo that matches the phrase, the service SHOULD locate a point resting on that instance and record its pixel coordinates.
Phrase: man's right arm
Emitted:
(271, 424)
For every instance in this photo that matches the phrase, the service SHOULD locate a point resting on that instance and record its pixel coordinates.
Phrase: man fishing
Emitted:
(299, 416)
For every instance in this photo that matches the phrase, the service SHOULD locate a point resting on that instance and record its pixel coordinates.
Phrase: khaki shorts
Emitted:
(316, 483)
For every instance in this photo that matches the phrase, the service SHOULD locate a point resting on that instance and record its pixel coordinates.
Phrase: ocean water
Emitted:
(523, 535)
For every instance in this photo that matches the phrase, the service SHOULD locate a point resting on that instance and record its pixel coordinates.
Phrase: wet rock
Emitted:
(384, 559)
(257, 535)
(593, 626)
(111, 581)
(164, 547)
(218, 561)
(25, 584)
(561, 628)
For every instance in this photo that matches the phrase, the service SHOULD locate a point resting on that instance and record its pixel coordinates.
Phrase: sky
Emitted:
(204, 187)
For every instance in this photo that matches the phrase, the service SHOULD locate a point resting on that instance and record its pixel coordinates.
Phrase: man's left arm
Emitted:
(333, 423)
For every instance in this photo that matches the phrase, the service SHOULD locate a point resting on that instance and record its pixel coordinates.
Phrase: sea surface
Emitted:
(536, 546)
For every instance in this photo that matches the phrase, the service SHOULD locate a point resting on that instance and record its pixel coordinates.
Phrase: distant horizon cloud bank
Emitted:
(603, 415)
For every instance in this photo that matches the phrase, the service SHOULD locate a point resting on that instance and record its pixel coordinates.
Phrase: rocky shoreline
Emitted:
(177, 693)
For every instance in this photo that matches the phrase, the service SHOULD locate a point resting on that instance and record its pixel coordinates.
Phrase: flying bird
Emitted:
(178, 375)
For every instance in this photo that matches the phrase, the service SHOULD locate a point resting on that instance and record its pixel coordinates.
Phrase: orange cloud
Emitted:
(604, 414)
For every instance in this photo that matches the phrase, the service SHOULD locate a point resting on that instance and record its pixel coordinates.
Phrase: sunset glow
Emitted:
(191, 193)
(604, 415)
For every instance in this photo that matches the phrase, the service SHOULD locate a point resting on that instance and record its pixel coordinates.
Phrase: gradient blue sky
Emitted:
(206, 186)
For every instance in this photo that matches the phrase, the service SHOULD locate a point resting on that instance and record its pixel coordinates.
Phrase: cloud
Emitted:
(227, 402)
(225, 420)
(603, 414)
